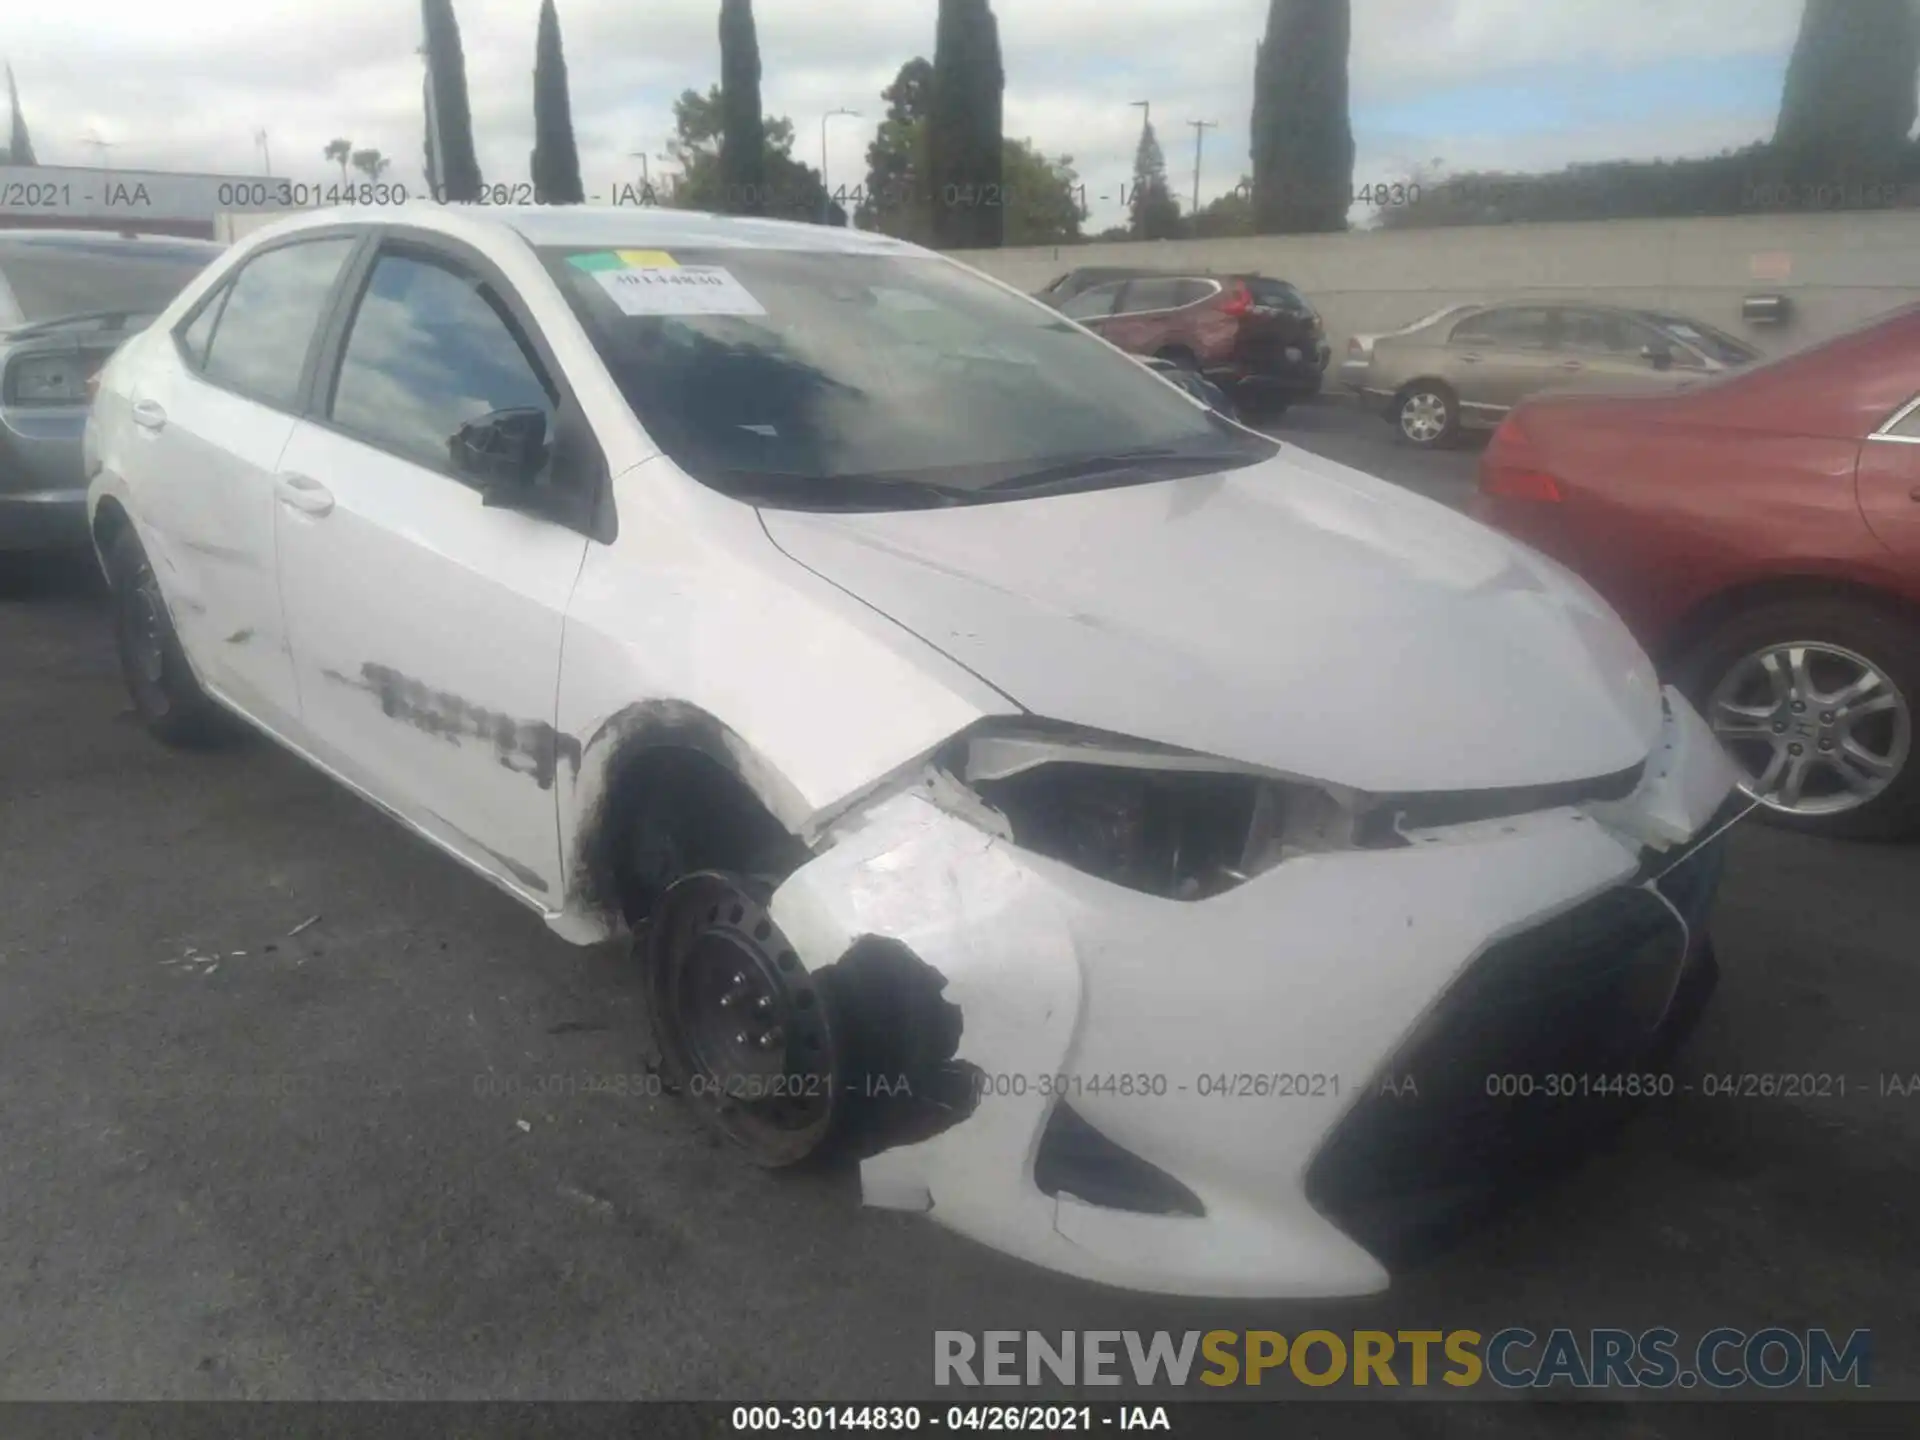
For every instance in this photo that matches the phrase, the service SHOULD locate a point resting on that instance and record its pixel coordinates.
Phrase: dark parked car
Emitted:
(1257, 339)
(68, 300)
(1760, 533)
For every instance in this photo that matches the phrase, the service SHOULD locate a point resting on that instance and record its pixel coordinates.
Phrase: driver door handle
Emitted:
(303, 493)
(1572, 365)
(149, 415)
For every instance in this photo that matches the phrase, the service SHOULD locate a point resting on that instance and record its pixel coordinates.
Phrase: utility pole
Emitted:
(266, 155)
(1200, 128)
(100, 147)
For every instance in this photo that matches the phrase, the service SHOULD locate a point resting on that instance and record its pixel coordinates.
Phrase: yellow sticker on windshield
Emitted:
(648, 259)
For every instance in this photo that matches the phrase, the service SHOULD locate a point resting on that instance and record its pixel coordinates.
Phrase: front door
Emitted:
(1603, 352)
(1889, 484)
(426, 625)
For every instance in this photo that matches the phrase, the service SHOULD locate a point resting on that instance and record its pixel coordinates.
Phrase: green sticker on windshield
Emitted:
(599, 260)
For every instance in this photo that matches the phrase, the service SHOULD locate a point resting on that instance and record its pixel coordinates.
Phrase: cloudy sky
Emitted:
(1514, 83)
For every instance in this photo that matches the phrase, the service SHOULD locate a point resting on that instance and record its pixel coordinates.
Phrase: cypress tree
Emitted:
(743, 133)
(1302, 134)
(556, 163)
(447, 75)
(1849, 93)
(964, 151)
(1152, 212)
(19, 143)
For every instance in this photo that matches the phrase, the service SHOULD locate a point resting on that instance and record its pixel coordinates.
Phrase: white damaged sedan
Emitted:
(1152, 850)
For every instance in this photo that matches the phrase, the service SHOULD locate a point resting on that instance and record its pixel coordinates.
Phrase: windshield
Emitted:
(1715, 344)
(48, 278)
(826, 379)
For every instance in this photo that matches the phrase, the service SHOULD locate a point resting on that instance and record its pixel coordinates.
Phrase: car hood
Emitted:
(1294, 615)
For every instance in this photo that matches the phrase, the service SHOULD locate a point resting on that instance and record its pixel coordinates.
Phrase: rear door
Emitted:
(1889, 483)
(1093, 308)
(1149, 316)
(212, 407)
(425, 623)
(1500, 356)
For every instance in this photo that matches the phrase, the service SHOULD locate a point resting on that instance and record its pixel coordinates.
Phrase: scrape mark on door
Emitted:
(527, 747)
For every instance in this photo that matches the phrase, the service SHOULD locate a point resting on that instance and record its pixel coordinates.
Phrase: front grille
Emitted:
(1464, 1113)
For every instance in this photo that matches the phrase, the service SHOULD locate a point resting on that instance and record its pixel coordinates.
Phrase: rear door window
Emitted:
(198, 335)
(1191, 292)
(273, 307)
(1522, 328)
(1145, 295)
(1092, 304)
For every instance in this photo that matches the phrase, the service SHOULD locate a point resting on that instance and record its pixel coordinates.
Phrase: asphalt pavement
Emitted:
(293, 1107)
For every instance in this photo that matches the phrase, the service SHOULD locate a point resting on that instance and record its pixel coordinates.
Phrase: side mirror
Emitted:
(1658, 356)
(504, 452)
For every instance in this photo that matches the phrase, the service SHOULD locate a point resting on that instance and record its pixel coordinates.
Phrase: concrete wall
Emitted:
(1838, 269)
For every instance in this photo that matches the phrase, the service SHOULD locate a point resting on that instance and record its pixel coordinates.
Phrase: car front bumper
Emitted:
(1255, 1048)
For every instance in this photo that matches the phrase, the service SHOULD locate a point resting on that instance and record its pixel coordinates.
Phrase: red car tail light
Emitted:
(1240, 302)
(1513, 468)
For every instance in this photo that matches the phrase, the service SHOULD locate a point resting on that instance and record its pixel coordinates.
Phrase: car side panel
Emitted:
(693, 628)
(1890, 499)
(1660, 517)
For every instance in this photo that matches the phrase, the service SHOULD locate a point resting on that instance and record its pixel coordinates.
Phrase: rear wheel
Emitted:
(1427, 414)
(159, 681)
(1814, 699)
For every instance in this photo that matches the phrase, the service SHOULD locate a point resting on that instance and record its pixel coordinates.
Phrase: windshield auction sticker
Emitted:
(652, 282)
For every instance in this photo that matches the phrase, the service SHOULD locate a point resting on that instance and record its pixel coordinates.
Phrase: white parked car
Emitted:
(1155, 851)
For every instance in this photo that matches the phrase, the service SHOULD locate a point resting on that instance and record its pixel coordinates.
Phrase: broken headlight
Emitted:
(1159, 821)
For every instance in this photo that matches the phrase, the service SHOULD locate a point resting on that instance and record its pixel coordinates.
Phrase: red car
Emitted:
(1761, 535)
(1257, 339)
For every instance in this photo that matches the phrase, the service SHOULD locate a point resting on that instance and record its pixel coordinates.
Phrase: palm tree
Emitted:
(370, 163)
(339, 151)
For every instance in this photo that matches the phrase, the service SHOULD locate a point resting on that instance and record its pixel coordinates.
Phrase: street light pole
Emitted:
(266, 155)
(1200, 128)
(826, 210)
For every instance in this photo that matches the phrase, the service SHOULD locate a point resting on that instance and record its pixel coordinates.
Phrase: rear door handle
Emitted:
(149, 415)
(303, 493)
(1571, 365)
(1470, 359)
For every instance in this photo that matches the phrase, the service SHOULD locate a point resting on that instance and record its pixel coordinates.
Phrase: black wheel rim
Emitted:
(143, 637)
(740, 1021)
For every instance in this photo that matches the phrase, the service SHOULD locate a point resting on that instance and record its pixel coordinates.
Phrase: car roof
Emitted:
(612, 226)
(34, 238)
